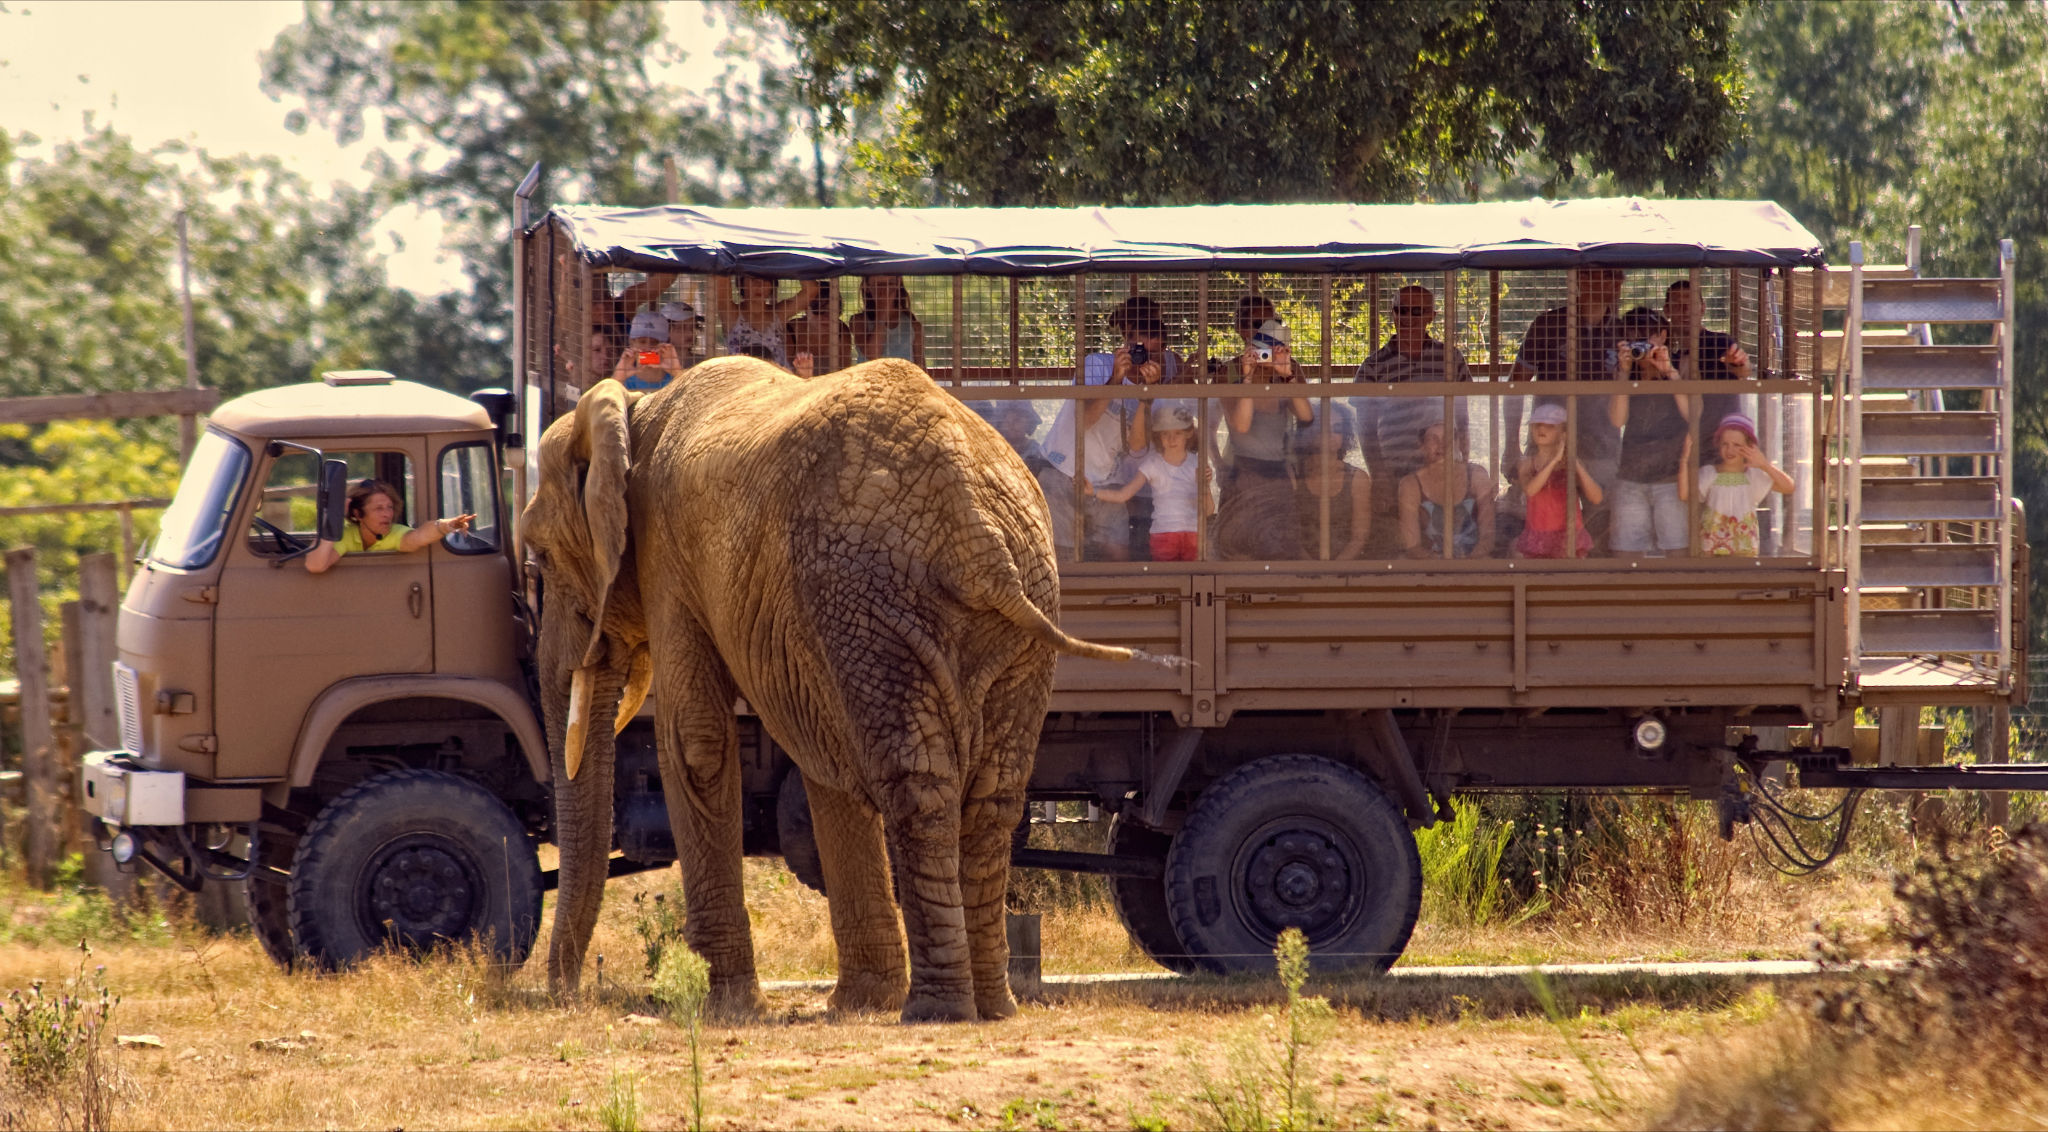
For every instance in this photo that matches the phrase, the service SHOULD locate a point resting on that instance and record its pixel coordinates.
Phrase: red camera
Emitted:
(650, 358)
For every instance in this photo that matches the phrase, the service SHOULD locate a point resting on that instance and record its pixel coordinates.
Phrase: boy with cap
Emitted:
(1179, 486)
(1731, 489)
(650, 360)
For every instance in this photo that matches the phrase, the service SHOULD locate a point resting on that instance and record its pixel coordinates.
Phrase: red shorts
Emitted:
(1175, 546)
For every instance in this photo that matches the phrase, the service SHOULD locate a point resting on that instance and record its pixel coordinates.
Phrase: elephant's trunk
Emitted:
(583, 817)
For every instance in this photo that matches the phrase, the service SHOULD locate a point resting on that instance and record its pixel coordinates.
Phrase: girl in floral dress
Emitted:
(1731, 490)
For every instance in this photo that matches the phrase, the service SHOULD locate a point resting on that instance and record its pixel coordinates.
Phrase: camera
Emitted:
(1640, 347)
(650, 358)
(1139, 354)
(1262, 352)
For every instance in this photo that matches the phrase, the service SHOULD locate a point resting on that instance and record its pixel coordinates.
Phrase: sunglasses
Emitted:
(1417, 312)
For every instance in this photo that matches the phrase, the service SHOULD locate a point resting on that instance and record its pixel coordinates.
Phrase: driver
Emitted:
(372, 526)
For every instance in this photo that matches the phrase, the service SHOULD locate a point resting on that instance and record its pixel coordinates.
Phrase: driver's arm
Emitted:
(322, 556)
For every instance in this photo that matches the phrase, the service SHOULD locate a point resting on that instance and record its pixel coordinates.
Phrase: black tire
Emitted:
(414, 858)
(795, 834)
(268, 896)
(1294, 841)
(1141, 903)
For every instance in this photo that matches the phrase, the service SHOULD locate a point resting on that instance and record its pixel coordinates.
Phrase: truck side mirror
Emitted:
(333, 508)
(503, 409)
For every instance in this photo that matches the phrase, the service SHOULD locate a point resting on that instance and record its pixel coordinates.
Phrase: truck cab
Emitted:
(254, 695)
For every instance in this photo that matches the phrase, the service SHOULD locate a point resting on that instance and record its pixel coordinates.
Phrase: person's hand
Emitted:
(1120, 365)
(445, 527)
(1283, 363)
(1087, 489)
(1752, 457)
(1659, 359)
(670, 360)
(805, 365)
(1624, 358)
(628, 362)
(1737, 361)
(1151, 372)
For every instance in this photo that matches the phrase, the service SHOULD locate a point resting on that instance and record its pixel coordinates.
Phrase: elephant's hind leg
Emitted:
(924, 830)
(985, 829)
(869, 938)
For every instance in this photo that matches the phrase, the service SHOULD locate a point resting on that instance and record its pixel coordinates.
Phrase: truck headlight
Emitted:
(1651, 733)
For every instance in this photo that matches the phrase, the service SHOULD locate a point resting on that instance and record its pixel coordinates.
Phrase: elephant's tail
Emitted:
(1015, 606)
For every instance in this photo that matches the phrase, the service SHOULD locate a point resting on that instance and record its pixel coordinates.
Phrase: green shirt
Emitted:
(352, 539)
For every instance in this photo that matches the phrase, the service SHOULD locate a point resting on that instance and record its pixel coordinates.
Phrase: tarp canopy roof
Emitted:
(809, 243)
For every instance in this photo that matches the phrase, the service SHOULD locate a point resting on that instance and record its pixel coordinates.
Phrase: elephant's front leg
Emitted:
(700, 779)
(869, 938)
(924, 830)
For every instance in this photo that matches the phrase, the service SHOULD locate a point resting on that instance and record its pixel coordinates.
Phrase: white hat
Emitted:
(1171, 414)
(648, 324)
(1273, 332)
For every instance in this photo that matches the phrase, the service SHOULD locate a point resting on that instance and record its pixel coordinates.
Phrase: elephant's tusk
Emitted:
(579, 716)
(638, 677)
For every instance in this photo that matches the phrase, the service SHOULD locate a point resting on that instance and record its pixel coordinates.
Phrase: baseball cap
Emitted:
(648, 324)
(1273, 332)
(1171, 414)
(677, 312)
(1552, 414)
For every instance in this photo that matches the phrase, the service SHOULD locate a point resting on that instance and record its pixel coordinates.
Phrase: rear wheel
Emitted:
(1294, 841)
(1141, 902)
(795, 834)
(414, 858)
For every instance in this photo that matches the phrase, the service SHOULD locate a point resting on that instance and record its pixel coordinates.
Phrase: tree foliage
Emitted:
(472, 94)
(1081, 102)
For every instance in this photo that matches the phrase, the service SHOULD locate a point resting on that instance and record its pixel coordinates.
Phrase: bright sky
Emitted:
(187, 69)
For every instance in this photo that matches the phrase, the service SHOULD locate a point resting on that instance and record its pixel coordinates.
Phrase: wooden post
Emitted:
(99, 601)
(38, 740)
(127, 541)
(1023, 933)
(959, 329)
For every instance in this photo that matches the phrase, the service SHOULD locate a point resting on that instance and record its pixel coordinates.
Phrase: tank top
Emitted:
(898, 341)
(1464, 520)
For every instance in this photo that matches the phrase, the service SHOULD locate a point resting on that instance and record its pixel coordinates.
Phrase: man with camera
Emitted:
(1656, 442)
(1115, 438)
(1390, 428)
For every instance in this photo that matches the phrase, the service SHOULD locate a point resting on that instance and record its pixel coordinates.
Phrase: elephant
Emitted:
(870, 566)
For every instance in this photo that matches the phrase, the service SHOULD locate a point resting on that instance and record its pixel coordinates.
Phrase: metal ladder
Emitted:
(1927, 510)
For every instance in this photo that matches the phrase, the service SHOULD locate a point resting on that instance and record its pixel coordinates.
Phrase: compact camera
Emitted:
(1640, 347)
(1139, 354)
(1262, 352)
(650, 358)
(1263, 347)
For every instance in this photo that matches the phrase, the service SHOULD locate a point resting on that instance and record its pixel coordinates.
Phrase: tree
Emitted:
(479, 92)
(1081, 102)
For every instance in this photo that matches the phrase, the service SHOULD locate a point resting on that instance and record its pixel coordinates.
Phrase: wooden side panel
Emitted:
(1323, 633)
(1150, 612)
(1683, 633)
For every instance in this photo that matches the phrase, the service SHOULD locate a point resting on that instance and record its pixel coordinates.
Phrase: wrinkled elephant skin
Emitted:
(870, 565)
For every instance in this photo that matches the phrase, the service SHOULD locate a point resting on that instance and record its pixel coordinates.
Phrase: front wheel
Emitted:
(414, 858)
(1294, 841)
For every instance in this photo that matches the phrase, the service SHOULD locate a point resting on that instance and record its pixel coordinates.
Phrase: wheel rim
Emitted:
(1299, 872)
(418, 890)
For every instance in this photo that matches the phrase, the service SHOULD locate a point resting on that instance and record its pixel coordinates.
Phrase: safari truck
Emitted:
(1358, 651)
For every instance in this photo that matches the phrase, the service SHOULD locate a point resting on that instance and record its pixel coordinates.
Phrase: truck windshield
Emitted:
(198, 516)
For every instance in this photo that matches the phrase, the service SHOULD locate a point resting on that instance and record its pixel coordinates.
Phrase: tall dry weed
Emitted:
(1956, 1037)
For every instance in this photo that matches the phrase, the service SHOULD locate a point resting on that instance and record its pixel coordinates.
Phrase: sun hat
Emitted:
(1271, 333)
(1740, 423)
(1552, 414)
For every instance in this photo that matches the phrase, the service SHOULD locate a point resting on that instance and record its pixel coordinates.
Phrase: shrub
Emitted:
(53, 1041)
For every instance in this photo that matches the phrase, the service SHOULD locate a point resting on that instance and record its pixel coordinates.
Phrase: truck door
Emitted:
(283, 635)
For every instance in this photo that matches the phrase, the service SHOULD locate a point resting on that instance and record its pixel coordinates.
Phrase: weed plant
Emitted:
(54, 1043)
(1268, 1082)
(682, 982)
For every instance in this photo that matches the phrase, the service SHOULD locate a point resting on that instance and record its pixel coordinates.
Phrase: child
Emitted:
(1420, 498)
(1543, 486)
(648, 340)
(1731, 489)
(1170, 467)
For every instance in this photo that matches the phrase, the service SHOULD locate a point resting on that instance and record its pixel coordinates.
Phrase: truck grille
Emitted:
(127, 702)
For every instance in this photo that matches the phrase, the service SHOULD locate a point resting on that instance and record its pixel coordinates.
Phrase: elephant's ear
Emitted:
(604, 448)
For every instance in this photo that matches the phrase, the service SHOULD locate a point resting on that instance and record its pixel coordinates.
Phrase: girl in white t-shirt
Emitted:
(1179, 485)
(1731, 490)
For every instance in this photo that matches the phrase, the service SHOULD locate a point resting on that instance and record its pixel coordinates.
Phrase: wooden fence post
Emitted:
(38, 741)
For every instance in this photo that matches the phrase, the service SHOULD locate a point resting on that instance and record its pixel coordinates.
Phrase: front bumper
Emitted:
(114, 789)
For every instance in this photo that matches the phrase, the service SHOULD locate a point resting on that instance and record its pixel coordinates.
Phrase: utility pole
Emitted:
(188, 425)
